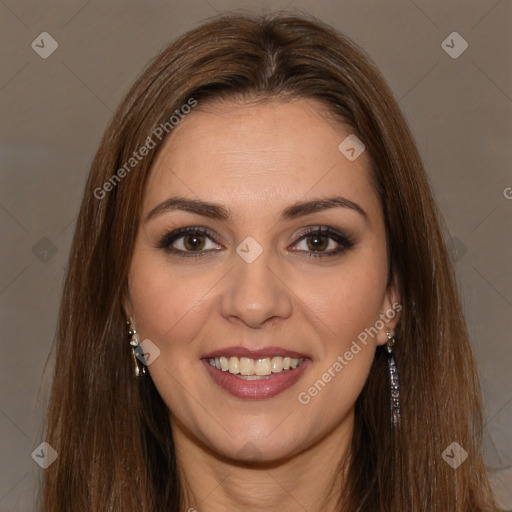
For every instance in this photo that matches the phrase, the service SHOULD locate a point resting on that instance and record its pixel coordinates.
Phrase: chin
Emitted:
(258, 450)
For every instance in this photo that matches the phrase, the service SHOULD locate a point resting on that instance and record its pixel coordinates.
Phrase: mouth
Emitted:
(255, 374)
(255, 369)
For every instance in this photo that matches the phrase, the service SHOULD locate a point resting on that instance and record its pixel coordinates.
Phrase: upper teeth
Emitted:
(246, 366)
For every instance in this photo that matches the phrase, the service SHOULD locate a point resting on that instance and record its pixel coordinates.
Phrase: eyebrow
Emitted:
(219, 212)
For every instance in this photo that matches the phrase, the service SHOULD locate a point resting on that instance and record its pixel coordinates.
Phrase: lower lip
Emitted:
(256, 389)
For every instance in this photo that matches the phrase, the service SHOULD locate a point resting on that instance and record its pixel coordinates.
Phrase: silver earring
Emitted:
(134, 343)
(394, 383)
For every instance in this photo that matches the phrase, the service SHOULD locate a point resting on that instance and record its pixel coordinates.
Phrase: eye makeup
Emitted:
(311, 233)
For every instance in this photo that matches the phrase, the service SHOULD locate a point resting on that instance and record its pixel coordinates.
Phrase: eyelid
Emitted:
(344, 240)
(171, 236)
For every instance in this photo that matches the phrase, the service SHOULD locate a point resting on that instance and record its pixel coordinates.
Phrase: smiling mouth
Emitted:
(255, 369)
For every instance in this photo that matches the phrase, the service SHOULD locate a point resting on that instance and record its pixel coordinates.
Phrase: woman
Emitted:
(259, 310)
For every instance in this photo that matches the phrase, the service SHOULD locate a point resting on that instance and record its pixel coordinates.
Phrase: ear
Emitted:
(389, 314)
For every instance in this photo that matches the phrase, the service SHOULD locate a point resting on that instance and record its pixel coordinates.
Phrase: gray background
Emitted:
(53, 112)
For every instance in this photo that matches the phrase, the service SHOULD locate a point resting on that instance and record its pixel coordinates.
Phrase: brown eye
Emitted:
(190, 241)
(193, 242)
(319, 240)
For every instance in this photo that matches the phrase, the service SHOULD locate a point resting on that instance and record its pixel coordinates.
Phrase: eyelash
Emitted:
(168, 239)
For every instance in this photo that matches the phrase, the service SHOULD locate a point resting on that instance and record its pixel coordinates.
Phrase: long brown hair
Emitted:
(112, 431)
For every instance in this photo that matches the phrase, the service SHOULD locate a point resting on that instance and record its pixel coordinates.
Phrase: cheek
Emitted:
(169, 307)
(344, 304)
(346, 300)
(349, 305)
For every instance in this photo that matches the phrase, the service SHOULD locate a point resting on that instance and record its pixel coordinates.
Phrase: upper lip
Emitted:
(239, 351)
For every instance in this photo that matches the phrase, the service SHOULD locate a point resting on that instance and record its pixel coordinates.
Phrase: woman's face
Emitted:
(252, 287)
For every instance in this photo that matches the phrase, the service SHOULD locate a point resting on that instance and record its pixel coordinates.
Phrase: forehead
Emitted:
(247, 154)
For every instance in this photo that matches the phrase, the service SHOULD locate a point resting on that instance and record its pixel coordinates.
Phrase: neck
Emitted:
(309, 480)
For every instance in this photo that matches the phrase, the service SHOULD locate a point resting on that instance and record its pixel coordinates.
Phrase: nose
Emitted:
(255, 293)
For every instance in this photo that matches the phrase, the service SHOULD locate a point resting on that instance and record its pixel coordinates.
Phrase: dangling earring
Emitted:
(394, 383)
(134, 343)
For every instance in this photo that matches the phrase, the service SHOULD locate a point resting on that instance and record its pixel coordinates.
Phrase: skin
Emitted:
(256, 159)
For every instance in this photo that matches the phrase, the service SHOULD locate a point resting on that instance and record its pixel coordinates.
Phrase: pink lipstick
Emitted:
(255, 374)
